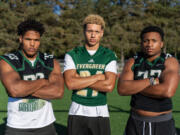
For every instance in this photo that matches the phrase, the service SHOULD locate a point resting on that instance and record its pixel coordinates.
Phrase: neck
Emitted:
(29, 57)
(151, 58)
(95, 47)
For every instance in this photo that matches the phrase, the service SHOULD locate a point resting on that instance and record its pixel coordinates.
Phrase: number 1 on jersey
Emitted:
(83, 92)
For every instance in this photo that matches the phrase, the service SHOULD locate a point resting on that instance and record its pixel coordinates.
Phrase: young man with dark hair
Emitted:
(151, 78)
(90, 71)
(31, 79)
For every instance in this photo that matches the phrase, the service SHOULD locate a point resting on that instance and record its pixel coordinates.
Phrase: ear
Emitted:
(20, 39)
(162, 44)
(102, 33)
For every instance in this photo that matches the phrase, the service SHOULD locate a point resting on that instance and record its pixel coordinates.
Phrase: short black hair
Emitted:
(30, 24)
(152, 29)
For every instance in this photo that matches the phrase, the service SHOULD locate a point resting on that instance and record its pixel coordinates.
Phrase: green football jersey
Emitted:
(42, 68)
(87, 65)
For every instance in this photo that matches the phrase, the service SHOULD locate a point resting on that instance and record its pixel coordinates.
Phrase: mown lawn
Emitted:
(118, 107)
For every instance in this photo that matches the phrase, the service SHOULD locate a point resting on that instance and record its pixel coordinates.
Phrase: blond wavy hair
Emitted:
(94, 19)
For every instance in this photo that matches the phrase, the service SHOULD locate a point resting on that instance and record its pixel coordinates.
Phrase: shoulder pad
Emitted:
(168, 55)
(138, 55)
(109, 53)
(48, 56)
(14, 59)
(47, 59)
(11, 56)
(75, 50)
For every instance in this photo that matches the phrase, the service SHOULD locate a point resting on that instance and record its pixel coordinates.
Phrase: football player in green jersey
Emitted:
(90, 72)
(31, 79)
(151, 78)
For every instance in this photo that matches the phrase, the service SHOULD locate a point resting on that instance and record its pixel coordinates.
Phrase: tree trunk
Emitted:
(122, 56)
(164, 49)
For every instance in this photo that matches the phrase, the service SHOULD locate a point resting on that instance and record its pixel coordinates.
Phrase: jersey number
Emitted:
(33, 77)
(12, 56)
(146, 73)
(84, 92)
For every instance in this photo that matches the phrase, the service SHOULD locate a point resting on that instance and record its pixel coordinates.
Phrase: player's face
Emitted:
(93, 35)
(30, 43)
(152, 44)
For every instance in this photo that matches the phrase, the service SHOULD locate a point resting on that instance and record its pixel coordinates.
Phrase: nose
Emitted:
(150, 43)
(93, 34)
(32, 42)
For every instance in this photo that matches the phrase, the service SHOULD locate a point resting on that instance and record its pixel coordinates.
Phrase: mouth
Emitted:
(92, 41)
(149, 50)
(32, 50)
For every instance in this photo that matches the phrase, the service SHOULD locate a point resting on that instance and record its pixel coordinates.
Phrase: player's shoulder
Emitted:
(13, 56)
(165, 56)
(14, 59)
(47, 59)
(168, 58)
(105, 49)
(45, 56)
(107, 52)
(138, 58)
(130, 63)
(76, 50)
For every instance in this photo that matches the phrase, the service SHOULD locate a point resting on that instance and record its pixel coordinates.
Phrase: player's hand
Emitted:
(157, 81)
(100, 77)
(77, 75)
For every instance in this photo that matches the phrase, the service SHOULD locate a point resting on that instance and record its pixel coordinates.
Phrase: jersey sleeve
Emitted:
(112, 64)
(111, 67)
(68, 63)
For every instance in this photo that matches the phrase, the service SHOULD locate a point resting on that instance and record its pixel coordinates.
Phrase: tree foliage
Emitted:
(124, 21)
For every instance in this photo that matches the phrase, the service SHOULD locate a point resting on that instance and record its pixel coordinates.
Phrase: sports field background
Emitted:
(118, 107)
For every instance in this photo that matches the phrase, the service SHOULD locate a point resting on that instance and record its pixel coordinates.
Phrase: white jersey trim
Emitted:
(89, 111)
(69, 64)
(27, 120)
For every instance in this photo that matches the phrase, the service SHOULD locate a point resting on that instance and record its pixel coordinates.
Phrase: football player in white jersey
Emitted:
(31, 79)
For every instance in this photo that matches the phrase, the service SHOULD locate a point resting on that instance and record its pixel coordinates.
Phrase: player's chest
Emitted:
(34, 72)
(146, 70)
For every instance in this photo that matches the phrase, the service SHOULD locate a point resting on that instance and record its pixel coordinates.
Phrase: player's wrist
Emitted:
(102, 77)
(152, 81)
(43, 82)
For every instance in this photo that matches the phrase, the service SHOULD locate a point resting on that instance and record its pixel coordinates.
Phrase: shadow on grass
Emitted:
(60, 129)
(61, 111)
(3, 126)
(176, 111)
(117, 109)
(178, 131)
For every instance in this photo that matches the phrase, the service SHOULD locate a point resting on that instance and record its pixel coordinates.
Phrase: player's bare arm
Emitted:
(106, 85)
(15, 86)
(55, 87)
(126, 83)
(168, 81)
(74, 81)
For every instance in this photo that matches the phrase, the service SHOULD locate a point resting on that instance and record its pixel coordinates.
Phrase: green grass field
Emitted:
(118, 107)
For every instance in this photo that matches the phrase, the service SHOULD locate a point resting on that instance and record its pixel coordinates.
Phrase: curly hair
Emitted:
(94, 19)
(30, 24)
(152, 29)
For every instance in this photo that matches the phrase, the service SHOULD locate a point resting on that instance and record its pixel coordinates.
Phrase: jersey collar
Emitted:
(27, 60)
(96, 53)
